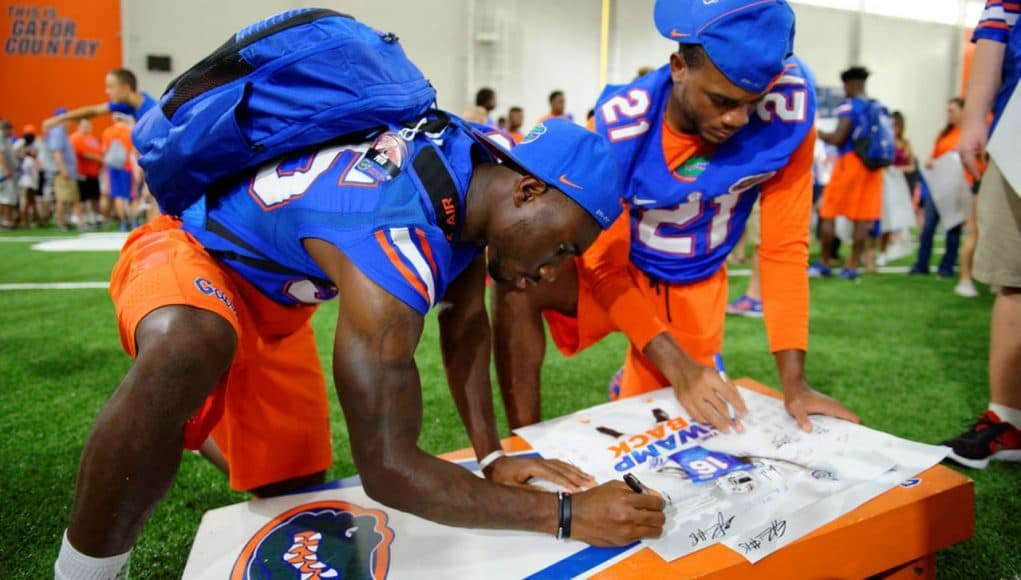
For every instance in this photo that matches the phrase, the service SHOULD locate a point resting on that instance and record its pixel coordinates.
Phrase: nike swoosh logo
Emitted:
(565, 181)
(675, 34)
(641, 201)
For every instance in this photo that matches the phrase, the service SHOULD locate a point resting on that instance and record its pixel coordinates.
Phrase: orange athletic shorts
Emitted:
(694, 313)
(854, 191)
(269, 414)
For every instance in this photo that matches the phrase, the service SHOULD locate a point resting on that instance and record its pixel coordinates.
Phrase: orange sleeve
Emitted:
(606, 271)
(786, 215)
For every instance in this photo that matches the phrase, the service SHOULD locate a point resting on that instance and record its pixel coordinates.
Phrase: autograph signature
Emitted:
(773, 532)
(718, 529)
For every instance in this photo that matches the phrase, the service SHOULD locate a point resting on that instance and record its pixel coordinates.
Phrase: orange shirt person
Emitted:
(696, 150)
(557, 108)
(947, 142)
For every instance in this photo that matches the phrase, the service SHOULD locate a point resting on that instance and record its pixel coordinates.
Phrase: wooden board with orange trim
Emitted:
(336, 529)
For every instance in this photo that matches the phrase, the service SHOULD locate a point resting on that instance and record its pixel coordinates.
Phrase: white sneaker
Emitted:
(966, 289)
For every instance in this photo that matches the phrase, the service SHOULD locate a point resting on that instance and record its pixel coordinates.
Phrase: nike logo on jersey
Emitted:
(640, 201)
(674, 33)
(565, 181)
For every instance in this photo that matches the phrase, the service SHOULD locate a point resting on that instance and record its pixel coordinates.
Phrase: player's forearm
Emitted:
(466, 347)
(666, 353)
(382, 406)
(445, 493)
(790, 365)
(86, 112)
(985, 81)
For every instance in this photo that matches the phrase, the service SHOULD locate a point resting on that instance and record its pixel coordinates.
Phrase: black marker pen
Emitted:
(633, 483)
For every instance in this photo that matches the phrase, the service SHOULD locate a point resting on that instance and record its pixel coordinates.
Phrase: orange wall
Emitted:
(56, 53)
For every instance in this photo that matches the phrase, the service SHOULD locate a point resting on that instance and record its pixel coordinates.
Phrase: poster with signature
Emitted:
(753, 492)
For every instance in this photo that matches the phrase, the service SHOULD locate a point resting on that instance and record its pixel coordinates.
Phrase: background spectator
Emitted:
(65, 180)
(486, 98)
(854, 190)
(89, 152)
(8, 177)
(515, 119)
(28, 183)
(557, 107)
(116, 140)
(945, 143)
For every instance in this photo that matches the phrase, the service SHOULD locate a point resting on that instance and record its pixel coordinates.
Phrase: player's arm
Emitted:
(839, 135)
(58, 158)
(380, 392)
(698, 388)
(783, 258)
(86, 112)
(983, 85)
(465, 341)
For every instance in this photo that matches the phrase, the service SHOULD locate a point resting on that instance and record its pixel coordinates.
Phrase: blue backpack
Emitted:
(873, 137)
(293, 81)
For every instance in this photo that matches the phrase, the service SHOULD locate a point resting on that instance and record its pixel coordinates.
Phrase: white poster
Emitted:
(753, 492)
(898, 209)
(1005, 143)
(950, 192)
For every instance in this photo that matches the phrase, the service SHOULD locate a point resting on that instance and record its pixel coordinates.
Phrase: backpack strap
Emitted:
(261, 262)
(442, 191)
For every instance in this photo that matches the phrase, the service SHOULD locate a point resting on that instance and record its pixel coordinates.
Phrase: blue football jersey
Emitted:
(375, 209)
(685, 220)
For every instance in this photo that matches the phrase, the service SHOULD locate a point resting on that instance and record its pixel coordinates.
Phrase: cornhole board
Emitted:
(895, 535)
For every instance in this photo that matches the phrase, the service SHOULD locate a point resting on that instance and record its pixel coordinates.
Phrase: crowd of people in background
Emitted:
(67, 175)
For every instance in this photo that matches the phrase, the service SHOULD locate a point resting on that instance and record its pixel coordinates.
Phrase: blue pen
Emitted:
(722, 370)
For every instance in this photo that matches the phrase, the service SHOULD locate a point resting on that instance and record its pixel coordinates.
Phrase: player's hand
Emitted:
(972, 145)
(517, 471)
(614, 515)
(698, 388)
(50, 123)
(704, 394)
(803, 400)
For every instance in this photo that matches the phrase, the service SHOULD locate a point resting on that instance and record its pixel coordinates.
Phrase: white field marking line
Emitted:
(746, 272)
(27, 239)
(55, 286)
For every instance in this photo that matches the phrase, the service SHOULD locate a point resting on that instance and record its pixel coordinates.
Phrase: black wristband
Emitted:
(564, 526)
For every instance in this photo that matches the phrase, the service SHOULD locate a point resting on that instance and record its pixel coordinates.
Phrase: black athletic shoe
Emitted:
(989, 438)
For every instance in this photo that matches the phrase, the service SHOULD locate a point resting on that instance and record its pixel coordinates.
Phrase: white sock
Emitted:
(73, 565)
(1008, 414)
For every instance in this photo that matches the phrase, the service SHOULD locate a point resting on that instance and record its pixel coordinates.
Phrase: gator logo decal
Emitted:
(536, 132)
(319, 541)
(692, 168)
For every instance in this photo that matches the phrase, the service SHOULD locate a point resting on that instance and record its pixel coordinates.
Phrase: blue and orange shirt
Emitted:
(688, 204)
(999, 24)
(147, 103)
(385, 224)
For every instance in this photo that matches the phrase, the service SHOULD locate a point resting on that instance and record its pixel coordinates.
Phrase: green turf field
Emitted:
(905, 353)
